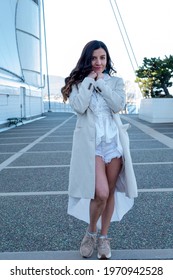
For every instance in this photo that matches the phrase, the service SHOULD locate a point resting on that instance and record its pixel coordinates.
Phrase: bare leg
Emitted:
(98, 204)
(112, 172)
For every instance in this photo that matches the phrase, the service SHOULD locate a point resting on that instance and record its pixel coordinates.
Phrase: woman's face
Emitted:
(99, 60)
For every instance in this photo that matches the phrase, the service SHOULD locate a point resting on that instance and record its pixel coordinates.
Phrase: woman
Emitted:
(102, 184)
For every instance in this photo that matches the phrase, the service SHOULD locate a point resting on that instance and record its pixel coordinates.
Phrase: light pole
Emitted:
(47, 70)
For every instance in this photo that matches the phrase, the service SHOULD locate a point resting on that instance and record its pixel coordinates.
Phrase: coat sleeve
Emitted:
(114, 95)
(80, 97)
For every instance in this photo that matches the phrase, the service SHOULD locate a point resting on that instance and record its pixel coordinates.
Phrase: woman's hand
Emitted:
(92, 75)
(100, 76)
(95, 75)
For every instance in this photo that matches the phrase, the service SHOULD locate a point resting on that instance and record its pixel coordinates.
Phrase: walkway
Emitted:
(34, 166)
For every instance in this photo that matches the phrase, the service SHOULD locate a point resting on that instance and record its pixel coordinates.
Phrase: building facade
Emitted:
(21, 77)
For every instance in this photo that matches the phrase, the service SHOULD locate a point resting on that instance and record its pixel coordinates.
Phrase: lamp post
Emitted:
(47, 70)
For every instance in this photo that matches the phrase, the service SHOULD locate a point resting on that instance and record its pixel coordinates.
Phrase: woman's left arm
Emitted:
(113, 94)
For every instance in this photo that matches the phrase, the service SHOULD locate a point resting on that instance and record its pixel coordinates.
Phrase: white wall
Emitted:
(156, 110)
(17, 101)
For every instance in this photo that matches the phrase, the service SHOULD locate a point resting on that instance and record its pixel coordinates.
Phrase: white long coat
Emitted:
(82, 167)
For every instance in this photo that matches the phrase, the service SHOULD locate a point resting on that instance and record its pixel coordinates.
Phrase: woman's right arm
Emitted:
(80, 97)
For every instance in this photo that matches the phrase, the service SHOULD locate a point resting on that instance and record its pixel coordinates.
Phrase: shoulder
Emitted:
(116, 81)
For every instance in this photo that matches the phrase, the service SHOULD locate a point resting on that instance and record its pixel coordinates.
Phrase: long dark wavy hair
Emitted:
(84, 67)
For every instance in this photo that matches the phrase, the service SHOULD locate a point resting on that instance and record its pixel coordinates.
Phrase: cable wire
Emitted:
(123, 35)
(126, 33)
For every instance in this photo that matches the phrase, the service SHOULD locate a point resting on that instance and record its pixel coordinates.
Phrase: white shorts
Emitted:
(108, 151)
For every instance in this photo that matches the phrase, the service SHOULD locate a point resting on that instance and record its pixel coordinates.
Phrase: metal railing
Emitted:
(58, 107)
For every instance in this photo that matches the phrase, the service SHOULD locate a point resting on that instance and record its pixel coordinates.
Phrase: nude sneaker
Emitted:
(104, 249)
(88, 245)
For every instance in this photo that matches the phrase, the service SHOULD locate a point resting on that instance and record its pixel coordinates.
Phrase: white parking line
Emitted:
(150, 131)
(66, 192)
(28, 147)
(37, 166)
(67, 165)
(33, 193)
(125, 254)
(153, 163)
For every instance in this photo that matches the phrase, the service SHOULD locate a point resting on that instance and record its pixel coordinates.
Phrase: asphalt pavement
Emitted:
(34, 167)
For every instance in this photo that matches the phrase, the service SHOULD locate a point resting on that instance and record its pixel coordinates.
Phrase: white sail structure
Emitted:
(9, 56)
(20, 59)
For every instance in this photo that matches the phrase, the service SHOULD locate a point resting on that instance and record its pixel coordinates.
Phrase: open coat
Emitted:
(82, 167)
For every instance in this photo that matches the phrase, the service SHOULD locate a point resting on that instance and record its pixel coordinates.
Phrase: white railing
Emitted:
(57, 107)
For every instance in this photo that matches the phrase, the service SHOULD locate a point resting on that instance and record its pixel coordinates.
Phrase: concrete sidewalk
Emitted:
(34, 166)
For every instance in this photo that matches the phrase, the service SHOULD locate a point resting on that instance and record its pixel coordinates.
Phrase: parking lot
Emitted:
(34, 167)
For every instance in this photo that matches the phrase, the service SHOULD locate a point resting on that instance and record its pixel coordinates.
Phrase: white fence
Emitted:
(57, 107)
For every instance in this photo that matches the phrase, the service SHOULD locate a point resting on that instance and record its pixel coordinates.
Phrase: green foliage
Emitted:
(154, 76)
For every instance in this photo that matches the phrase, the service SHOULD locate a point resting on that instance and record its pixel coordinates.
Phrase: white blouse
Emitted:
(106, 129)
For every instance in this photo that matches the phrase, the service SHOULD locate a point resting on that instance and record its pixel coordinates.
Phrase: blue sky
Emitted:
(70, 24)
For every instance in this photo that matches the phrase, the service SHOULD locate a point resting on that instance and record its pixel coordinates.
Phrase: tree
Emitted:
(155, 75)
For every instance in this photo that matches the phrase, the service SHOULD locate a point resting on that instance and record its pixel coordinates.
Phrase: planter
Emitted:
(156, 110)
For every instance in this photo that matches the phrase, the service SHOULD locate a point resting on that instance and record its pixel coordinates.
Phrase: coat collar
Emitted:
(106, 77)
